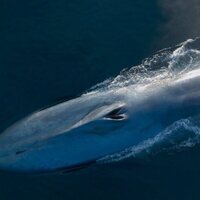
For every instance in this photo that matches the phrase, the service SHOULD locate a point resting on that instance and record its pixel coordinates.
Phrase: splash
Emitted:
(166, 64)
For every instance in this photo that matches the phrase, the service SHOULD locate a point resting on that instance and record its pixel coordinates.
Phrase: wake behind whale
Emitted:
(145, 109)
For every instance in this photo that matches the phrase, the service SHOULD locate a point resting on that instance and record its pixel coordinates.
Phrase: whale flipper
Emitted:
(76, 167)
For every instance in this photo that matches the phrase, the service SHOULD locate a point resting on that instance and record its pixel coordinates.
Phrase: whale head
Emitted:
(64, 135)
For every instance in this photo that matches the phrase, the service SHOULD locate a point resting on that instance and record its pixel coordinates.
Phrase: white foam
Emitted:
(181, 134)
(167, 64)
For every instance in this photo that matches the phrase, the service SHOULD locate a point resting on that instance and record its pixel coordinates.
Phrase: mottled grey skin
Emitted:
(97, 124)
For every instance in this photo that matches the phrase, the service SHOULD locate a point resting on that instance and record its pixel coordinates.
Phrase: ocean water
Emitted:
(53, 51)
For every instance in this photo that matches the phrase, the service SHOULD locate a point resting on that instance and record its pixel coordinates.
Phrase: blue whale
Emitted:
(80, 131)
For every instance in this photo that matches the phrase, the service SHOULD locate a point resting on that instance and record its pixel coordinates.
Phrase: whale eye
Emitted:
(116, 114)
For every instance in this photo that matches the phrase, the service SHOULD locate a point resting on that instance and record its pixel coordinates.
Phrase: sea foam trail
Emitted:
(180, 135)
(166, 65)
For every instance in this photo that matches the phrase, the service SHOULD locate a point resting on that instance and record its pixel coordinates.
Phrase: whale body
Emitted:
(96, 124)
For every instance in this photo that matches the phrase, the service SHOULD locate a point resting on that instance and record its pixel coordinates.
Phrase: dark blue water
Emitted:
(52, 51)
